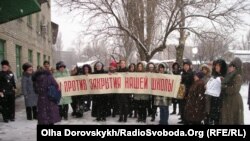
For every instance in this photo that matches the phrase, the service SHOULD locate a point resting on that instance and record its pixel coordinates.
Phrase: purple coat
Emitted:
(48, 111)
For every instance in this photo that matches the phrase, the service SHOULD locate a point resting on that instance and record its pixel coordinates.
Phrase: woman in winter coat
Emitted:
(123, 99)
(232, 112)
(163, 102)
(213, 108)
(176, 70)
(132, 102)
(187, 79)
(195, 106)
(65, 101)
(141, 99)
(99, 106)
(30, 97)
(47, 110)
(87, 70)
(152, 108)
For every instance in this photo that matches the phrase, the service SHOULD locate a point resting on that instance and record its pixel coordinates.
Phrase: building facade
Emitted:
(28, 39)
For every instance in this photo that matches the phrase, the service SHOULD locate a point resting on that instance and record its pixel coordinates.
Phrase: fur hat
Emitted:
(187, 62)
(199, 74)
(5, 62)
(205, 66)
(60, 64)
(237, 63)
(26, 66)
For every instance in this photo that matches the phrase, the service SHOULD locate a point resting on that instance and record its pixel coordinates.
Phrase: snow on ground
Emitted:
(23, 130)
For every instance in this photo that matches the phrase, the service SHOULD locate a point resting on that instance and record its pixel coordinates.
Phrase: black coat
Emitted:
(7, 82)
(187, 78)
(123, 98)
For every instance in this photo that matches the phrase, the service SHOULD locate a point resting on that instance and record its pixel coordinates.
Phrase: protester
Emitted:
(65, 101)
(113, 102)
(176, 70)
(195, 106)
(30, 97)
(99, 107)
(46, 66)
(87, 70)
(47, 110)
(187, 79)
(141, 99)
(163, 102)
(7, 92)
(152, 108)
(123, 99)
(132, 102)
(232, 111)
(213, 106)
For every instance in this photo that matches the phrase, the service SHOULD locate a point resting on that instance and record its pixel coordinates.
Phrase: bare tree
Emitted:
(213, 48)
(149, 23)
(246, 42)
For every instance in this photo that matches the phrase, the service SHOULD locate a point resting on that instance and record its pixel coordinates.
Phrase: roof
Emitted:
(240, 52)
(14, 9)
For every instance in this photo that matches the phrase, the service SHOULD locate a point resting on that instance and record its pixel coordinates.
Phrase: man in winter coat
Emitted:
(7, 92)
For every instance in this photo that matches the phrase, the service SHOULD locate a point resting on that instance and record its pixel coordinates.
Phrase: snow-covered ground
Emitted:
(23, 130)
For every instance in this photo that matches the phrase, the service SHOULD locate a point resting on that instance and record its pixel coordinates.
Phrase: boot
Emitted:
(29, 113)
(34, 109)
(120, 119)
(125, 118)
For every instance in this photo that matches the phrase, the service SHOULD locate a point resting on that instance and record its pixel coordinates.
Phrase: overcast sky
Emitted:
(70, 26)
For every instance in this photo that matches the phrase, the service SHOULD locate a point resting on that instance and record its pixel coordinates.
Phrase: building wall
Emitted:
(28, 36)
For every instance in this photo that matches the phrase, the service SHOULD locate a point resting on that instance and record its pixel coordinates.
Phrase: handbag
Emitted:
(181, 92)
(54, 94)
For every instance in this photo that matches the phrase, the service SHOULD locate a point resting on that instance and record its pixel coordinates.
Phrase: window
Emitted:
(18, 61)
(29, 20)
(30, 56)
(44, 58)
(38, 59)
(1, 51)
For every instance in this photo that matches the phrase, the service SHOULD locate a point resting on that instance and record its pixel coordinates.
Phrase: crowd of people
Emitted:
(200, 104)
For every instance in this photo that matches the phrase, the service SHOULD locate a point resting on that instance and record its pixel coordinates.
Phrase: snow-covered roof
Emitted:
(240, 52)
(79, 64)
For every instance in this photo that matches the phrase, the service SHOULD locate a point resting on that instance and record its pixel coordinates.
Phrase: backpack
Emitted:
(54, 94)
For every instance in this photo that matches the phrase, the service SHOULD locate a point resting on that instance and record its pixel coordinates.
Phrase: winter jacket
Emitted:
(7, 82)
(187, 79)
(47, 110)
(232, 111)
(30, 97)
(195, 106)
(64, 100)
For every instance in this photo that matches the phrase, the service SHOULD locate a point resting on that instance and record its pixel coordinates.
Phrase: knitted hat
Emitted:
(113, 64)
(5, 62)
(199, 74)
(26, 66)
